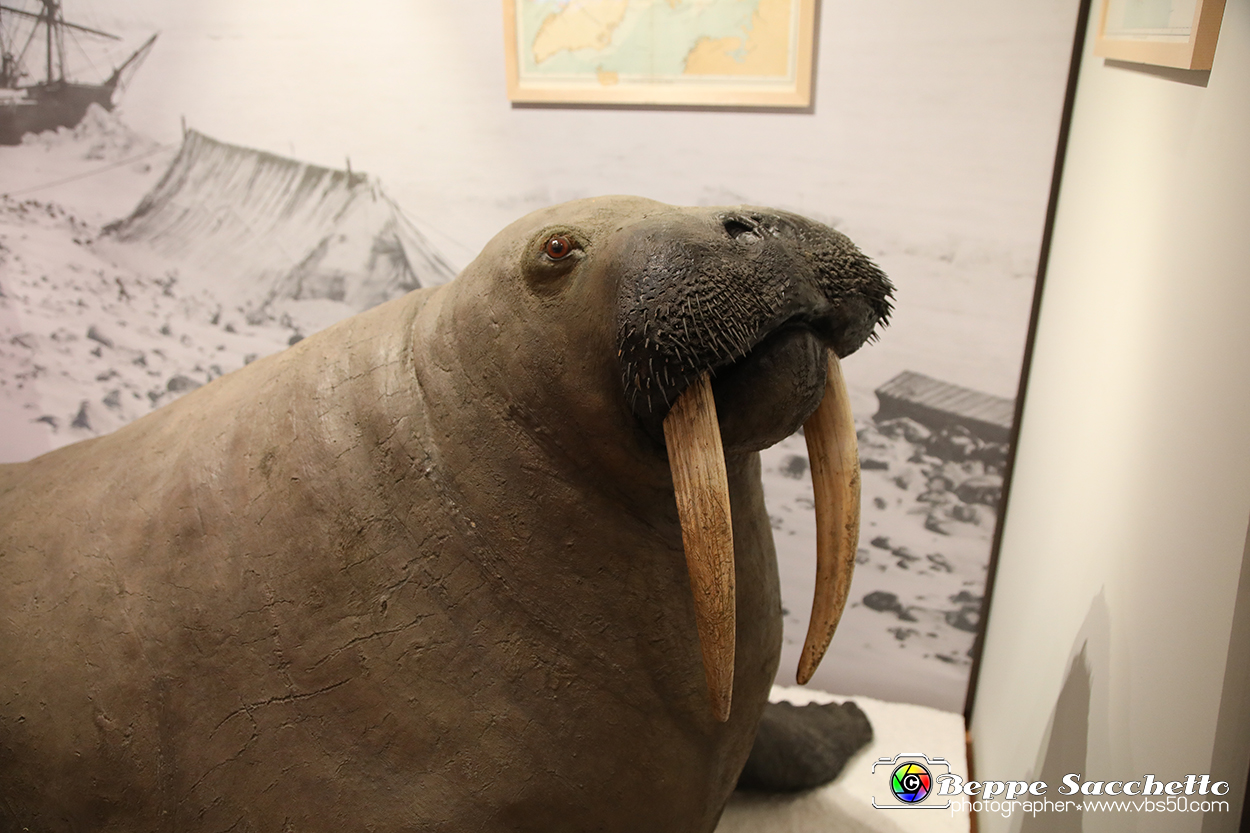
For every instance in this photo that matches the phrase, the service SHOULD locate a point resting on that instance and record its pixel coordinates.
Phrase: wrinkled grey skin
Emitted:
(421, 571)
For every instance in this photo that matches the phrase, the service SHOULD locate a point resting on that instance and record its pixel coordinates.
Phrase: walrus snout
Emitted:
(710, 290)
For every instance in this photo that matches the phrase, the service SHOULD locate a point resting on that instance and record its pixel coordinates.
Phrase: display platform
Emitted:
(845, 805)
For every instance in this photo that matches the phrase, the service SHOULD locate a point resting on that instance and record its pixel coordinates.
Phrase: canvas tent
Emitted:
(262, 227)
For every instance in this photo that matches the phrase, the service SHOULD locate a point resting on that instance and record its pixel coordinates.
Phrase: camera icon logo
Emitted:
(913, 776)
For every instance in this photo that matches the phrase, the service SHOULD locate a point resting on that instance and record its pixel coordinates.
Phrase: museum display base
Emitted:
(845, 805)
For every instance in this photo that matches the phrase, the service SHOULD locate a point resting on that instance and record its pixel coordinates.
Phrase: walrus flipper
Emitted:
(801, 747)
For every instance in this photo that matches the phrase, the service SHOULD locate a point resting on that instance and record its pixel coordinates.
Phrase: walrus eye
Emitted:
(558, 247)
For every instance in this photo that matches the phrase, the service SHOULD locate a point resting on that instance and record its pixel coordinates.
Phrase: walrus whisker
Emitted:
(834, 456)
(701, 485)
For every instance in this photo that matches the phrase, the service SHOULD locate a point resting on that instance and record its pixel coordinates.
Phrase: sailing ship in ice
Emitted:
(30, 103)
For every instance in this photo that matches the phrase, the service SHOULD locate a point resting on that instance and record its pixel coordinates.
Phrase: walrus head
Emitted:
(729, 325)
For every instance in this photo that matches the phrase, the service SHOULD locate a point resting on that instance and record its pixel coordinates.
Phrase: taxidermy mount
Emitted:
(492, 556)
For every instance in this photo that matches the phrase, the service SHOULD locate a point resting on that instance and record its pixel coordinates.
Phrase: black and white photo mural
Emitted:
(258, 171)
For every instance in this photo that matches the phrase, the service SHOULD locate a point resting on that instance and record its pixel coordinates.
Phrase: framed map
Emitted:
(1170, 33)
(660, 52)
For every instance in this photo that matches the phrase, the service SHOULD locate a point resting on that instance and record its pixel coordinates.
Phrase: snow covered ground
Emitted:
(913, 609)
(88, 343)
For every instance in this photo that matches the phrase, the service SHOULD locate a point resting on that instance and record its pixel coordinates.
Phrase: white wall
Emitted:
(1131, 496)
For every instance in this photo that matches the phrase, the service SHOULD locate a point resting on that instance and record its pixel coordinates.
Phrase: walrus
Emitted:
(492, 556)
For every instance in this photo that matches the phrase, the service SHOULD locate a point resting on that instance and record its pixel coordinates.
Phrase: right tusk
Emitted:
(697, 458)
(834, 455)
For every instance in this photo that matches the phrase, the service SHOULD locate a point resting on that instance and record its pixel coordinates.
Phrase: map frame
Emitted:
(1190, 48)
(793, 91)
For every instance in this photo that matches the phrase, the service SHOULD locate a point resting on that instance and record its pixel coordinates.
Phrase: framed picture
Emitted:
(754, 53)
(1170, 33)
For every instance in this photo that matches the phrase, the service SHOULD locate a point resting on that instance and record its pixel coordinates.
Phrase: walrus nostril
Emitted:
(737, 227)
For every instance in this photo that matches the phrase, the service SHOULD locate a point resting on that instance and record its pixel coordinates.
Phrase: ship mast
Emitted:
(8, 63)
(49, 13)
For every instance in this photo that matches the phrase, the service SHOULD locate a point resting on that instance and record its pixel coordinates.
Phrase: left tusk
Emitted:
(834, 455)
(697, 458)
